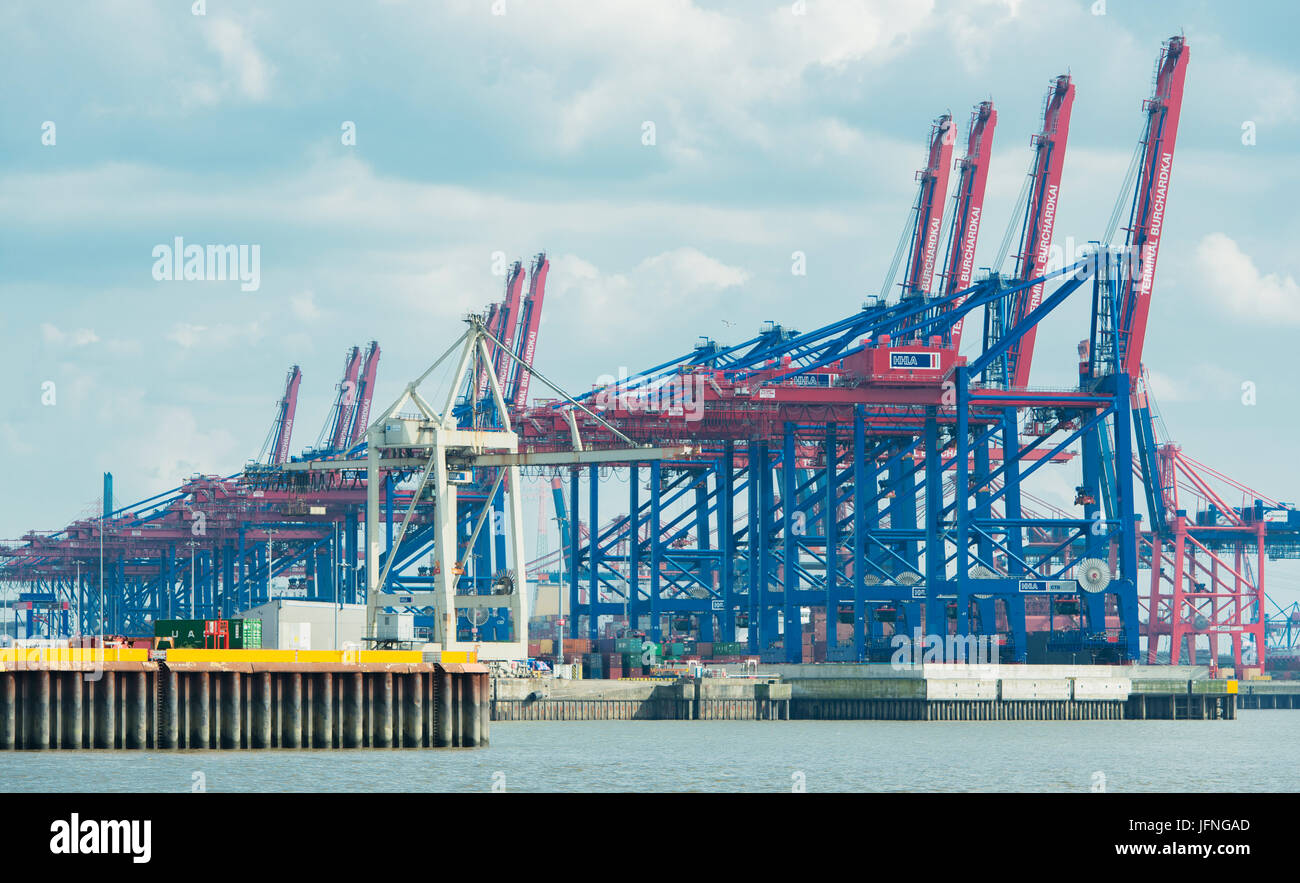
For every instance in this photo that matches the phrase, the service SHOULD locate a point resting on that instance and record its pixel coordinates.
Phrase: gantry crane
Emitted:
(968, 207)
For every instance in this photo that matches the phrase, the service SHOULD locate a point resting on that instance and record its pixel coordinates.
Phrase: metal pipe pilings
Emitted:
(147, 706)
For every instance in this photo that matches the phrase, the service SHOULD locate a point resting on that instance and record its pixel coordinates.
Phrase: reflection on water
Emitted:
(1257, 752)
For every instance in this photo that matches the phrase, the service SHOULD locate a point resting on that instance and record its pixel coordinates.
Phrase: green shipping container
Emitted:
(188, 633)
(183, 632)
(245, 634)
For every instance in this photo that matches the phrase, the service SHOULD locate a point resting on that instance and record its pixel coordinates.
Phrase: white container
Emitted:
(395, 626)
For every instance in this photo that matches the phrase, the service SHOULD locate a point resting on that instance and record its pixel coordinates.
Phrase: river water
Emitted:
(1259, 751)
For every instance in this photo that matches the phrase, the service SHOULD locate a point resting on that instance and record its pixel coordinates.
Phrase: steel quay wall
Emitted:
(516, 699)
(939, 692)
(242, 705)
(868, 692)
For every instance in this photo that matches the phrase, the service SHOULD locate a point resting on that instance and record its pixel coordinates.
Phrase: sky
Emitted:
(384, 156)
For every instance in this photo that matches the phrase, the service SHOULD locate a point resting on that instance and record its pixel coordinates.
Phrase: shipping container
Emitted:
(183, 632)
(251, 634)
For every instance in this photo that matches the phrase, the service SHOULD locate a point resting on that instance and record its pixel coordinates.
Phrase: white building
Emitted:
(290, 624)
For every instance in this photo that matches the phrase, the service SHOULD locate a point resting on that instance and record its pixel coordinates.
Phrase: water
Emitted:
(1257, 752)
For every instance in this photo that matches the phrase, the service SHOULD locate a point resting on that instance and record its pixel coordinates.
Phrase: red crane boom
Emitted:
(929, 210)
(365, 392)
(342, 412)
(517, 395)
(1040, 217)
(969, 206)
(1147, 215)
(284, 417)
(509, 318)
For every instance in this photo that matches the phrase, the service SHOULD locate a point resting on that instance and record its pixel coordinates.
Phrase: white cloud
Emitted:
(1164, 388)
(304, 306)
(659, 293)
(1233, 281)
(185, 334)
(79, 337)
(16, 441)
(331, 191)
(183, 448)
(240, 58)
(698, 73)
(188, 335)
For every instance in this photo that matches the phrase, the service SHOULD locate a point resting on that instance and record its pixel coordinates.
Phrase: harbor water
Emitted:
(1257, 752)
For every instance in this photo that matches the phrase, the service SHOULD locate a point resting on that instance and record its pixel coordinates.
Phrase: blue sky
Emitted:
(518, 132)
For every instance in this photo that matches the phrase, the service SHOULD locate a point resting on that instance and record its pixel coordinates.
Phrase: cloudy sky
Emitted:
(517, 126)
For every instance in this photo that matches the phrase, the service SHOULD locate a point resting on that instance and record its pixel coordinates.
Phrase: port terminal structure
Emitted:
(866, 468)
(127, 698)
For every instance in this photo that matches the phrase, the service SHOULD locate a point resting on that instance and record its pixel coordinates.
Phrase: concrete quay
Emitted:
(882, 692)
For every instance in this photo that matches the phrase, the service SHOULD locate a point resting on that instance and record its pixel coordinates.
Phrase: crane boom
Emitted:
(1146, 219)
(930, 195)
(532, 318)
(365, 392)
(342, 412)
(1040, 218)
(493, 324)
(284, 418)
(509, 317)
(968, 207)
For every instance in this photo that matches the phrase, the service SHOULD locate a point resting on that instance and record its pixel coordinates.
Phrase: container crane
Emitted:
(1147, 214)
(336, 428)
(517, 387)
(360, 418)
(1036, 237)
(509, 319)
(277, 444)
(968, 206)
(930, 195)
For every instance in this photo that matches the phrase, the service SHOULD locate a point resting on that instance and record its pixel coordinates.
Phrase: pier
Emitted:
(880, 692)
(222, 701)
